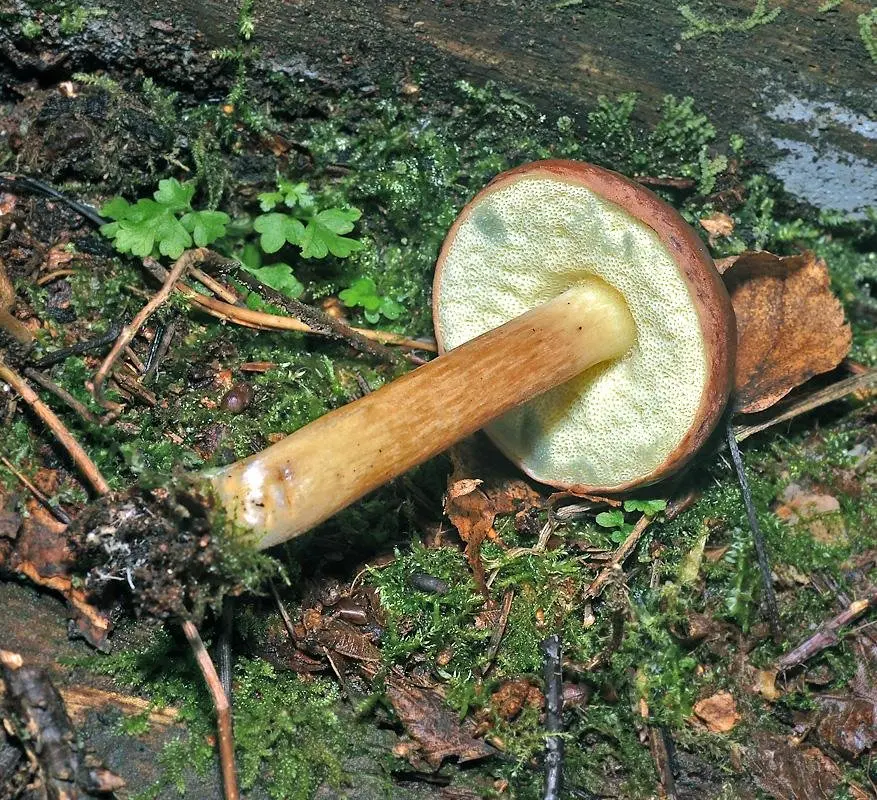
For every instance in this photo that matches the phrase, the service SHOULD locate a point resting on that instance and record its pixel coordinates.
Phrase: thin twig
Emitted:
(62, 394)
(618, 558)
(160, 345)
(58, 513)
(770, 599)
(247, 317)
(499, 630)
(224, 654)
(222, 291)
(552, 655)
(826, 634)
(63, 353)
(661, 747)
(86, 466)
(223, 712)
(131, 330)
(18, 183)
(318, 320)
(284, 614)
(820, 398)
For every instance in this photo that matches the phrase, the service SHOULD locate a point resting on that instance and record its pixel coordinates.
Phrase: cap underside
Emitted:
(527, 242)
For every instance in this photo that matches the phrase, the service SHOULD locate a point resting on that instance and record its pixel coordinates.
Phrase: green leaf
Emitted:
(205, 226)
(296, 194)
(280, 277)
(648, 507)
(171, 236)
(268, 200)
(278, 229)
(610, 519)
(174, 195)
(116, 208)
(323, 234)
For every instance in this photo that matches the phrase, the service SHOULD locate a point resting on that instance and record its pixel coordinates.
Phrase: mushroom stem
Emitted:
(297, 483)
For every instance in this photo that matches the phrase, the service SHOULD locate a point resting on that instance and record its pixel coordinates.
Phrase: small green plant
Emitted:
(166, 225)
(867, 21)
(317, 233)
(31, 29)
(73, 20)
(699, 25)
(615, 518)
(363, 292)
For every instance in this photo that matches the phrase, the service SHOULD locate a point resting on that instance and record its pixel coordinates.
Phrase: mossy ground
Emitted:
(410, 164)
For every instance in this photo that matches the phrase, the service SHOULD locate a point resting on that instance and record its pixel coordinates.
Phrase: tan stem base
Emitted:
(327, 465)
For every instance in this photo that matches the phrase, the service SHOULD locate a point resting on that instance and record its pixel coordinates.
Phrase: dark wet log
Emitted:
(799, 87)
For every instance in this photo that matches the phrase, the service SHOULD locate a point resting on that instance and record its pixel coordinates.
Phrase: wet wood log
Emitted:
(799, 87)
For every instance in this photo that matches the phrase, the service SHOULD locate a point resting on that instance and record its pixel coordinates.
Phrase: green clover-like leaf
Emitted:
(277, 229)
(205, 226)
(174, 195)
(324, 234)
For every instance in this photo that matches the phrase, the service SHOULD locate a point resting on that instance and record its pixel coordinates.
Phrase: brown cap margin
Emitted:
(708, 293)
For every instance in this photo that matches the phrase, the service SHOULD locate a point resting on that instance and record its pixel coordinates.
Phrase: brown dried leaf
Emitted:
(787, 772)
(509, 700)
(719, 712)
(848, 724)
(436, 728)
(790, 326)
(819, 512)
(717, 225)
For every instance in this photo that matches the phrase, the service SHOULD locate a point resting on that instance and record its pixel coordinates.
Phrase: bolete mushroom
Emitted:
(581, 320)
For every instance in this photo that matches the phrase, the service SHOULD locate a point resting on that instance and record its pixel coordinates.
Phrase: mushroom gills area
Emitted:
(527, 242)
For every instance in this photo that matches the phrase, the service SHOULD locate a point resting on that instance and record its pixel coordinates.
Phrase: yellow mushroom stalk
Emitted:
(307, 477)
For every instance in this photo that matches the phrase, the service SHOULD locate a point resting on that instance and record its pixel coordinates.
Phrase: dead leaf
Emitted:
(818, 512)
(790, 326)
(766, 684)
(433, 725)
(719, 712)
(717, 225)
(789, 772)
(848, 724)
(472, 504)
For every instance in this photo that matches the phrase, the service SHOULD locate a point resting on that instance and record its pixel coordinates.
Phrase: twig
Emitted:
(86, 466)
(222, 291)
(499, 630)
(770, 599)
(62, 394)
(131, 330)
(661, 747)
(80, 347)
(827, 633)
(618, 558)
(160, 345)
(223, 712)
(54, 275)
(241, 315)
(551, 652)
(318, 320)
(224, 655)
(58, 513)
(284, 614)
(820, 398)
(18, 183)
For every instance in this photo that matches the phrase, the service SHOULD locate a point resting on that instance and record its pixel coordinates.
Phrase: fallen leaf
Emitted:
(766, 684)
(472, 504)
(819, 513)
(790, 326)
(848, 724)
(790, 772)
(433, 725)
(717, 225)
(719, 712)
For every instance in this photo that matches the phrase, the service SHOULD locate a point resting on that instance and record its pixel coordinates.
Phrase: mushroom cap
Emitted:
(536, 231)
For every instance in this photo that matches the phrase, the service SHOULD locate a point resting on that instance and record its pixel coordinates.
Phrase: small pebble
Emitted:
(237, 399)
(428, 583)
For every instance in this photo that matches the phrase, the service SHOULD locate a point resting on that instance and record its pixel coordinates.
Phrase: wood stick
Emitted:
(223, 712)
(86, 466)
(619, 557)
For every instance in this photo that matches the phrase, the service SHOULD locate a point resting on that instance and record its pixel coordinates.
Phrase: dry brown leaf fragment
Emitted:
(717, 225)
(820, 513)
(791, 772)
(433, 725)
(790, 326)
(718, 712)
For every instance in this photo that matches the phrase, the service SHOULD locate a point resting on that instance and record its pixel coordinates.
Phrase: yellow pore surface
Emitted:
(618, 422)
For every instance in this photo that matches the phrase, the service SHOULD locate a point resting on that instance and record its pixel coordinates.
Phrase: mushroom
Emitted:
(580, 319)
